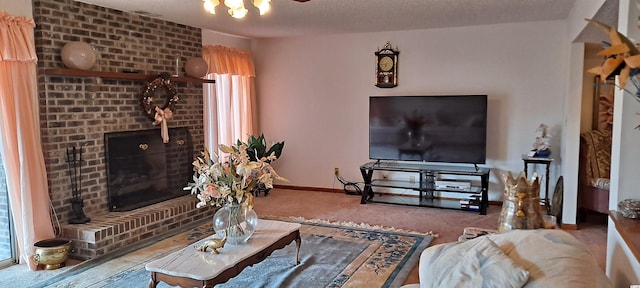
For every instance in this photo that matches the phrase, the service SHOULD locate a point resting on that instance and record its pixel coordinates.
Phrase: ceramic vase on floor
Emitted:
(521, 203)
(239, 221)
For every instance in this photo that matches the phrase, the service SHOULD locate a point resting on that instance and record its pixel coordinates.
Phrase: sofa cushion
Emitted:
(552, 257)
(600, 183)
(474, 263)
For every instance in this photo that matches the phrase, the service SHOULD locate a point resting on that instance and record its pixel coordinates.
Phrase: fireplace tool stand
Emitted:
(74, 164)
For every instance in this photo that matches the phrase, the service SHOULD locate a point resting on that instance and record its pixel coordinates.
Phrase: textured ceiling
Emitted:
(607, 14)
(290, 18)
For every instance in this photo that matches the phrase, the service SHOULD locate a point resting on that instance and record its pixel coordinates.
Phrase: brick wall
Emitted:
(77, 111)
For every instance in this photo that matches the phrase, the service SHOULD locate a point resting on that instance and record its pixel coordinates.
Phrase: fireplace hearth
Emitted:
(142, 170)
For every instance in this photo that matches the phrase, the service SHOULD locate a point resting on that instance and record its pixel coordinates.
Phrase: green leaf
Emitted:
(276, 148)
(257, 148)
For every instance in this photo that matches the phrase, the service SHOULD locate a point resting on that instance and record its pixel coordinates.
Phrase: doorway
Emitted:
(595, 142)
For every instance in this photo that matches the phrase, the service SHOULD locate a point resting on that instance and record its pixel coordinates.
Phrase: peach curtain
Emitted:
(225, 60)
(230, 107)
(19, 130)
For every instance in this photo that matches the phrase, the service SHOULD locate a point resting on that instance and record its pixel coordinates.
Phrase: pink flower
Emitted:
(211, 190)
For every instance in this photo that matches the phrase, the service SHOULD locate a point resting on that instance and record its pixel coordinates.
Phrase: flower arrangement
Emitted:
(231, 181)
(542, 138)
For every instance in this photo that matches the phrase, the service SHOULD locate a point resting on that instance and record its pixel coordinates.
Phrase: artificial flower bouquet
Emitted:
(232, 179)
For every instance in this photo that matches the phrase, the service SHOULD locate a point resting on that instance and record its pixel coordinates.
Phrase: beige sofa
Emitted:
(518, 258)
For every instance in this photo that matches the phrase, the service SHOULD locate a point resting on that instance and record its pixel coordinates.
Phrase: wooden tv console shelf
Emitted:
(426, 186)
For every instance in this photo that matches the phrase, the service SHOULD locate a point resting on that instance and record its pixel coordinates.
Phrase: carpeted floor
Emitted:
(448, 224)
(331, 255)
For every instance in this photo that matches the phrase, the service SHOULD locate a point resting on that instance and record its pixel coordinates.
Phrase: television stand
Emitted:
(428, 189)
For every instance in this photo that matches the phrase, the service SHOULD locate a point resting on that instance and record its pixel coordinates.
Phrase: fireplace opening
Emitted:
(142, 170)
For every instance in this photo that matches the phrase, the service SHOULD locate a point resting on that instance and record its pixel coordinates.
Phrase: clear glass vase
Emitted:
(236, 222)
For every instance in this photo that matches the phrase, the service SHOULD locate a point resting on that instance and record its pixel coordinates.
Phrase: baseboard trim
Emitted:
(331, 190)
(565, 226)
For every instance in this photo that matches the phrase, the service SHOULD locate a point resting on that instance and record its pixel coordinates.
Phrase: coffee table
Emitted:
(189, 267)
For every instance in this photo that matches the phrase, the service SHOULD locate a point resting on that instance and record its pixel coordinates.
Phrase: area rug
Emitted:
(331, 255)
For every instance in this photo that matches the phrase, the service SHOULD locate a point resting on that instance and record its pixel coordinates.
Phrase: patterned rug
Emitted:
(331, 255)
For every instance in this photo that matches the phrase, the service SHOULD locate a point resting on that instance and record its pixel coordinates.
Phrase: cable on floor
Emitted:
(350, 188)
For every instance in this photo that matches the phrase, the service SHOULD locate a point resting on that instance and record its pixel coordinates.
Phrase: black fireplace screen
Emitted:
(142, 170)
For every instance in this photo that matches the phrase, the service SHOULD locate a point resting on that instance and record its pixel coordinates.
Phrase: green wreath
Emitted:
(159, 88)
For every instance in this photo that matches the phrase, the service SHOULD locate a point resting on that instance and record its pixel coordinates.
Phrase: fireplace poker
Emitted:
(74, 164)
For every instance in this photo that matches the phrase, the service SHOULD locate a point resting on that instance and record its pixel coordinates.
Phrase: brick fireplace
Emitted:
(78, 111)
(142, 170)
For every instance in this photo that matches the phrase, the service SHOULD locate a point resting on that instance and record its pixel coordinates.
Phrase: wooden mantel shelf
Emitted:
(117, 75)
(629, 230)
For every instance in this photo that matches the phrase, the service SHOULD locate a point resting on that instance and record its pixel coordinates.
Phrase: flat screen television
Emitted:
(450, 128)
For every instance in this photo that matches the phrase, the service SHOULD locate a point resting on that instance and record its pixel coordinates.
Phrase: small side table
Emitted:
(547, 162)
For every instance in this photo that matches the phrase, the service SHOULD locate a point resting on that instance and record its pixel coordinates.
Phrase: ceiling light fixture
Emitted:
(236, 7)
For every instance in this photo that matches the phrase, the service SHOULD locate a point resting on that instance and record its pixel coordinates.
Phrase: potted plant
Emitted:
(257, 149)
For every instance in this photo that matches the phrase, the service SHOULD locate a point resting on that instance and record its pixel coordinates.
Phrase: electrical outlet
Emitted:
(336, 171)
(412, 179)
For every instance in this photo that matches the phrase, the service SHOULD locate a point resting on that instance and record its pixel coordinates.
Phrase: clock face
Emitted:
(385, 63)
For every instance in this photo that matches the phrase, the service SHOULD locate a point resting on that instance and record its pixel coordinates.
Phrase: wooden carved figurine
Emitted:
(214, 244)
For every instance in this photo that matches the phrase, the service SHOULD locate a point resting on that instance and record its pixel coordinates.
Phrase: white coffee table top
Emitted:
(191, 263)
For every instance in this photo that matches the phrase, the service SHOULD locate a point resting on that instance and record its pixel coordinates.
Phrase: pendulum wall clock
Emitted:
(387, 67)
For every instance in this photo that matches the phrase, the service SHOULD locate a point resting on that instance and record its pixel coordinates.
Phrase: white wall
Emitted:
(575, 78)
(625, 154)
(623, 268)
(581, 9)
(17, 7)
(216, 38)
(571, 133)
(314, 91)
